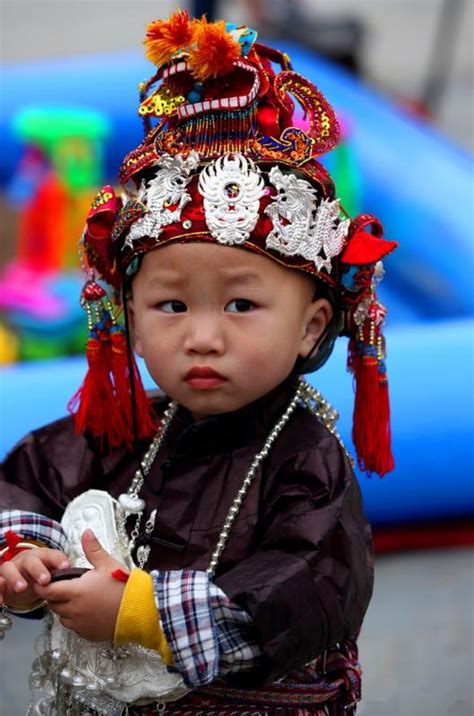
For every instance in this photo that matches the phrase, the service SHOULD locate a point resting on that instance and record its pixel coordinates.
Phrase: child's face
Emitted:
(220, 327)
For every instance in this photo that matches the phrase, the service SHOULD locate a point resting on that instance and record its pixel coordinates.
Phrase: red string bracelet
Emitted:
(12, 549)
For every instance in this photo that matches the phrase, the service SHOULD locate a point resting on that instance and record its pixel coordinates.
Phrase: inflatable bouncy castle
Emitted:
(420, 184)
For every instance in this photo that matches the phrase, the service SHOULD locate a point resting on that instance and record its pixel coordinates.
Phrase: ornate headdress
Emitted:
(222, 162)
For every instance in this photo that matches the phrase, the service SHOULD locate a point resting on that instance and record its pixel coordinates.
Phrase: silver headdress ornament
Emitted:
(301, 227)
(167, 188)
(231, 187)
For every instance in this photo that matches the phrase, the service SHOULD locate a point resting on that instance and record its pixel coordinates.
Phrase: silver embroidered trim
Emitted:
(167, 188)
(300, 226)
(231, 187)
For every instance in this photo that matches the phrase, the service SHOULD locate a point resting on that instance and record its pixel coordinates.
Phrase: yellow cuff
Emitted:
(138, 619)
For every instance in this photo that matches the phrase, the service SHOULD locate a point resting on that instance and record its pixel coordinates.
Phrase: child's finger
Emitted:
(57, 592)
(34, 569)
(3, 590)
(93, 550)
(53, 559)
(13, 577)
(37, 565)
(50, 560)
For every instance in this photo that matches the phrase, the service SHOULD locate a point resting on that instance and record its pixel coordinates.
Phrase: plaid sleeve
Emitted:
(31, 525)
(208, 635)
(238, 648)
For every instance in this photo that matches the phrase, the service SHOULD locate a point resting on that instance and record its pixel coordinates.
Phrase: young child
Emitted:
(235, 550)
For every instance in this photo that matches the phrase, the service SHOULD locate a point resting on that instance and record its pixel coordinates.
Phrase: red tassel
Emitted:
(94, 404)
(364, 432)
(146, 422)
(371, 419)
(103, 404)
(385, 461)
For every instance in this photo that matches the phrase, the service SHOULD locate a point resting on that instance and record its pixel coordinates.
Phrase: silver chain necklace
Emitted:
(132, 504)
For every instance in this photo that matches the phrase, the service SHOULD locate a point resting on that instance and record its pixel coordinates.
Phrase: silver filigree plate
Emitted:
(166, 189)
(232, 187)
(143, 675)
(94, 509)
(301, 227)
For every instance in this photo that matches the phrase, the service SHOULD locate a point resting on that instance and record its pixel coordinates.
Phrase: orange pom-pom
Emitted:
(166, 37)
(215, 50)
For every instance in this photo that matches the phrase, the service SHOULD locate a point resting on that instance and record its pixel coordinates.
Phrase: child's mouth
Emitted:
(204, 378)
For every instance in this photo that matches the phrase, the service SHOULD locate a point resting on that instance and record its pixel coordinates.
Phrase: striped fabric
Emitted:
(32, 526)
(328, 686)
(197, 705)
(238, 648)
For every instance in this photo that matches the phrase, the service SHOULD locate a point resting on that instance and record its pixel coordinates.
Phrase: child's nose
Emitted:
(204, 336)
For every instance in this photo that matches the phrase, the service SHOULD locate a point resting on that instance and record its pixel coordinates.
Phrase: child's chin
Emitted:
(208, 402)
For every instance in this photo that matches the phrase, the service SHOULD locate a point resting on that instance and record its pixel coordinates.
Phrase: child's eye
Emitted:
(239, 305)
(172, 307)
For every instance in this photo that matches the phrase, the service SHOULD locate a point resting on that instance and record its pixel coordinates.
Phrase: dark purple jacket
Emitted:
(299, 557)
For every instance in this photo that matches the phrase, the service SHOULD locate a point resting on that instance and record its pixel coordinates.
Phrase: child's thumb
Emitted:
(93, 550)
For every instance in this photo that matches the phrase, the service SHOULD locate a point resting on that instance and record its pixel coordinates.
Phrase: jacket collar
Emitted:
(222, 433)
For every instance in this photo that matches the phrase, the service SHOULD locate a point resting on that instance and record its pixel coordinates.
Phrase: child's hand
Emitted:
(28, 568)
(88, 605)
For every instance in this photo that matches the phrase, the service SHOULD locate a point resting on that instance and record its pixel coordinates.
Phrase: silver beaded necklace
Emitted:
(131, 503)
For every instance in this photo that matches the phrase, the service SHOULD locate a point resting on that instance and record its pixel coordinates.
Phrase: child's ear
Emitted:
(134, 332)
(317, 317)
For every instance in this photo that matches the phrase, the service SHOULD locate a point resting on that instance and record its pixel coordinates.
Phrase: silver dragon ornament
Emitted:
(166, 189)
(301, 225)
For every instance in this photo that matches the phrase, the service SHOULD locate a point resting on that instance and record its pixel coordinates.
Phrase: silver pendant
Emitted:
(131, 504)
(78, 682)
(5, 623)
(142, 555)
(66, 676)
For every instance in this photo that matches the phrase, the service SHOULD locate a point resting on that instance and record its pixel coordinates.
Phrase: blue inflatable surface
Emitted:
(416, 181)
(433, 425)
(419, 184)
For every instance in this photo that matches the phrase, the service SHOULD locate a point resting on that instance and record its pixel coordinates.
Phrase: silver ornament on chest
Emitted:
(131, 503)
(143, 552)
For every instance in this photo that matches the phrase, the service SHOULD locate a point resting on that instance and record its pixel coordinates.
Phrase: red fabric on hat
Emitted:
(363, 248)
(98, 234)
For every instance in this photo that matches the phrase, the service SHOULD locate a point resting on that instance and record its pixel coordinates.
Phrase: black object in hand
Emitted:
(60, 575)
